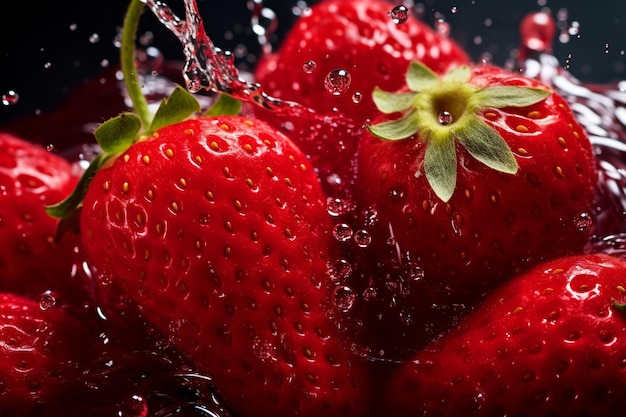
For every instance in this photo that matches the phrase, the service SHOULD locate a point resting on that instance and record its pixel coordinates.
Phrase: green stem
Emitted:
(127, 61)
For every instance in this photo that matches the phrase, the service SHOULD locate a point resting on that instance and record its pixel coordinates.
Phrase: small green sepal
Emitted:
(117, 134)
(224, 105)
(74, 200)
(177, 107)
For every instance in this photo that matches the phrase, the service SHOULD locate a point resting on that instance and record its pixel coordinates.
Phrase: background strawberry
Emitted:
(475, 177)
(31, 262)
(360, 38)
(549, 342)
(42, 357)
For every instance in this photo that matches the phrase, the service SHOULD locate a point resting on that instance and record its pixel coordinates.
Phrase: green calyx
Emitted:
(117, 134)
(445, 111)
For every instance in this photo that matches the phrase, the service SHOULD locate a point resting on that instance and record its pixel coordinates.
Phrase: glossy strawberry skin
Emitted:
(361, 38)
(217, 227)
(31, 261)
(42, 357)
(430, 262)
(549, 342)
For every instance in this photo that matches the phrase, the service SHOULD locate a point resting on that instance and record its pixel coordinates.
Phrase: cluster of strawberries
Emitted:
(416, 247)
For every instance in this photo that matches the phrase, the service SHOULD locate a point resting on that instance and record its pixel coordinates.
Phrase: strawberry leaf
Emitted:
(117, 134)
(486, 145)
(440, 167)
(401, 128)
(224, 105)
(392, 102)
(460, 74)
(177, 107)
(419, 77)
(66, 207)
(514, 96)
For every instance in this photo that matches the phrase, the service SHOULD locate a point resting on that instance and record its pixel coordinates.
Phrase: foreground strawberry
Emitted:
(550, 342)
(31, 262)
(216, 226)
(330, 62)
(468, 180)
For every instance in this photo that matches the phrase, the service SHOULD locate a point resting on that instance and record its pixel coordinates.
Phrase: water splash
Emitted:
(210, 68)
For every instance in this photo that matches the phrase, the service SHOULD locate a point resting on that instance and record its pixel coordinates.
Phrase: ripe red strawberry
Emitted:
(31, 262)
(41, 359)
(217, 228)
(470, 179)
(357, 44)
(549, 342)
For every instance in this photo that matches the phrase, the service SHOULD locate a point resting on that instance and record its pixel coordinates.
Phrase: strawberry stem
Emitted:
(128, 63)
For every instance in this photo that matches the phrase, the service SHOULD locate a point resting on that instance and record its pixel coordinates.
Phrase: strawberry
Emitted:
(330, 62)
(216, 227)
(31, 262)
(548, 342)
(42, 357)
(467, 180)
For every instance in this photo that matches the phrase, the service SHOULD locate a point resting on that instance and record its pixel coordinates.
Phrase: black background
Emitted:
(42, 58)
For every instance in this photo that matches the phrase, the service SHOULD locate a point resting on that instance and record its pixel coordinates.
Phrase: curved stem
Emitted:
(127, 61)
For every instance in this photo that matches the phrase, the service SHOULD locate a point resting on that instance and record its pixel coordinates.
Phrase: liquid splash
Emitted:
(210, 68)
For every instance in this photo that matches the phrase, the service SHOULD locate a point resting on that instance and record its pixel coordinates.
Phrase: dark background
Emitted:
(46, 48)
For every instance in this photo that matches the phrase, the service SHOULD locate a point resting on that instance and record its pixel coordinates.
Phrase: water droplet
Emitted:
(133, 406)
(73, 27)
(50, 147)
(454, 9)
(309, 67)
(537, 30)
(399, 14)
(362, 238)
(342, 232)
(94, 38)
(442, 27)
(583, 222)
(337, 81)
(340, 269)
(47, 301)
(344, 298)
(357, 97)
(445, 118)
(10, 98)
(47, 65)
(336, 206)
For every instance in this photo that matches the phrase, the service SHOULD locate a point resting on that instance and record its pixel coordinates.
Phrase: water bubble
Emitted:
(336, 206)
(442, 27)
(399, 14)
(134, 406)
(47, 65)
(94, 38)
(309, 67)
(73, 27)
(47, 301)
(10, 98)
(357, 97)
(583, 222)
(337, 81)
(344, 298)
(445, 118)
(454, 9)
(340, 270)
(362, 238)
(50, 147)
(342, 232)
